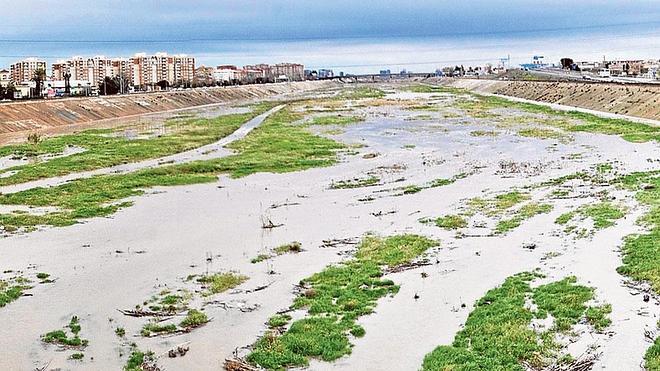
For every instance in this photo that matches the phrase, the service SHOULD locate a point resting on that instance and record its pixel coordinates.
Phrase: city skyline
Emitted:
(372, 34)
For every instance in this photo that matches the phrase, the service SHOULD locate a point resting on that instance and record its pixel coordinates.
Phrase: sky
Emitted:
(345, 35)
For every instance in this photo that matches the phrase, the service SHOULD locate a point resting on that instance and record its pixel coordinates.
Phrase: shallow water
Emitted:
(114, 263)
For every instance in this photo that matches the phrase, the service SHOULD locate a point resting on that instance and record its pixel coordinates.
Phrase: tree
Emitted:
(163, 84)
(109, 86)
(38, 77)
(9, 91)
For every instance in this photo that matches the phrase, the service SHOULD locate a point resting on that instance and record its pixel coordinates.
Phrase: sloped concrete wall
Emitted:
(18, 117)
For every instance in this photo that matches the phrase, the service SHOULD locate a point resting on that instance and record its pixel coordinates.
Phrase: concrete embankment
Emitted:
(16, 118)
(630, 100)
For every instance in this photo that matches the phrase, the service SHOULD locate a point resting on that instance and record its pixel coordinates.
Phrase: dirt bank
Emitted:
(19, 117)
(632, 100)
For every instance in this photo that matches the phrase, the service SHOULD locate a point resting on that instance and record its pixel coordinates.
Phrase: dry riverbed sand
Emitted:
(413, 157)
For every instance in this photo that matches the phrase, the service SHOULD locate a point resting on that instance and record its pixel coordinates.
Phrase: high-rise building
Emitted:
(151, 70)
(23, 71)
(289, 71)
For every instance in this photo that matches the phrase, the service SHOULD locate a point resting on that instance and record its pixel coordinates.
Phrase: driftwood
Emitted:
(340, 242)
(275, 206)
(178, 350)
(259, 288)
(143, 313)
(266, 223)
(406, 267)
(584, 362)
(237, 364)
(381, 213)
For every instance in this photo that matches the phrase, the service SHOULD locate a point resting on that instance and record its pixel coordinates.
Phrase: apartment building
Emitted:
(149, 70)
(22, 71)
(289, 72)
(266, 71)
(5, 77)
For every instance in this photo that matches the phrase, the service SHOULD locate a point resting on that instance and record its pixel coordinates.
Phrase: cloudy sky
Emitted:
(354, 36)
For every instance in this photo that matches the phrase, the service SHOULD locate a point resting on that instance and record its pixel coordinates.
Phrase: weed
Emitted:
(411, 189)
(157, 329)
(138, 359)
(220, 282)
(60, 337)
(484, 133)
(564, 300)
(120, 331)
(259, 258)
(279, 320)
(194, 318)
(525, 212)
(77, 356)
(356, 183)
(337, 120)
(11, 290)
(451, 222)
(641, 260)
(652, 357)
(293, 247)
(599, 316)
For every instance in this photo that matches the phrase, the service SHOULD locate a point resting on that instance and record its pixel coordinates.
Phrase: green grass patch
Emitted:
(484, 133)
(598, 317)
(480, 106)
(451, 222)
(641, 253)
(334, 299)
(652, 357)
(355, 183)
(564, 300)
(498, 334)
(288, 248)
(220, 282)
(337, 120)
(193, 319)
(259, 258)
(412, 189)
(420, 88)
(393, 251)
(60, 337)
(362, 92)
(602, 214)
(279, 320)
(541, 133)
(12, 289)
(139, 360)
(525, 212)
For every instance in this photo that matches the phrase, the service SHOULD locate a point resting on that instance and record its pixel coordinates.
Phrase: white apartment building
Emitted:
(22, 71)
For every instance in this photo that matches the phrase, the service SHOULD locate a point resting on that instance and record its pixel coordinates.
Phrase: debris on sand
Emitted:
(336, 242)
(179, 350)
(237, 364)
(266, 223)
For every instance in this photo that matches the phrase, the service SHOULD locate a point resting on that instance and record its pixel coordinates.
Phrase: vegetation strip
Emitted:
(498, 334)
(278, 146)
(334, 299)
(641, 252)
(106, 147)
